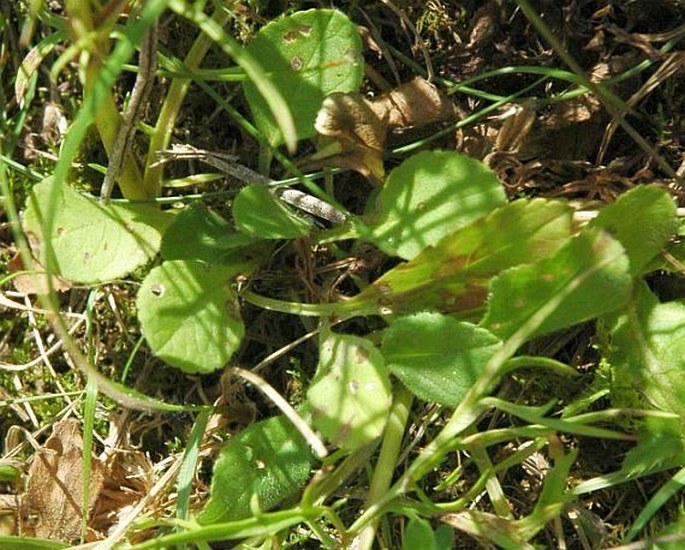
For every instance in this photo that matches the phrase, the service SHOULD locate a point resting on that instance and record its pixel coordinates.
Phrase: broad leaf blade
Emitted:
(642, 220)
(307, 55)
(269, 460)
(258, 212)
(350, 396)
(92, 242)
(430, 195)
(592, 273)
(199, 233)
(437, 357)
(188, 314)
(646, 352)
(453, 275)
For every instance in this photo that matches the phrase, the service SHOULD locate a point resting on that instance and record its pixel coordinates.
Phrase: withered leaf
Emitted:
(51, 506)
(353, 129)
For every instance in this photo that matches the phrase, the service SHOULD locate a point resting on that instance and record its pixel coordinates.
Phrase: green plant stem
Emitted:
(161, 137)
(387, 461)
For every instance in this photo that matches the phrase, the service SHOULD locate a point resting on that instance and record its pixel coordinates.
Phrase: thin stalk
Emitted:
(387, 461)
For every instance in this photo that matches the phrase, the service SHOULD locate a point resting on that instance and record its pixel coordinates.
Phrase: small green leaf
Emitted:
(642, 220)
(592, 270)
(258, 212)
(419, 534)
(430, 195)
(307, 55)
(350, 396)
(93, 242)
(437, 357)
(269, 460)
(199, 233)
(30, 543)
(189, 314)
(452, 276)
(646, 351)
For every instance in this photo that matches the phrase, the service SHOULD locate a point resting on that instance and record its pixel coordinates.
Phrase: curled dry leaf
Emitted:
(353, 129)
(51, 505)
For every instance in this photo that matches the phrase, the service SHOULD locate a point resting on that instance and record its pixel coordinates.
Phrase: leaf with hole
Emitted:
(91, 242)
(258, 212)
(437, 357)
(307, 55)
(189, 314)
(350, 396)
(430, 195)
(590, 276)
(267, 462)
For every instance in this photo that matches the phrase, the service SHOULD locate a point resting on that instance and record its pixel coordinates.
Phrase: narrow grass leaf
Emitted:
(350, 395)
(269, 461)
(306, 56)
(592, 271)
(437, 357)
(430, 195)
(92, 242)
(189, 314)
(187, 474)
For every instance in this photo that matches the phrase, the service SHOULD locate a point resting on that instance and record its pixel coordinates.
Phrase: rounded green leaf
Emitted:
(189, 314)
(199, 233)
(430, 195)
(350, 396)
(642, 220)
(258, 212)
(437, 357)
(269, 460)
(307, 55)
(92, 242)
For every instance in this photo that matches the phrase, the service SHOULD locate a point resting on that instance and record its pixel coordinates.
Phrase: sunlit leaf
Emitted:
(267, 462)
(646, 351)
(93, 242)
(452, 276)
(642, 220)
(189, 314)
(592, 272)
(437, 357)
(307, 55)
(430, 195)
(350, 396)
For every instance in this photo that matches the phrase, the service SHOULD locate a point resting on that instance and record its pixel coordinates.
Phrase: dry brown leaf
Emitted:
(51, 506)
(353, 129)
